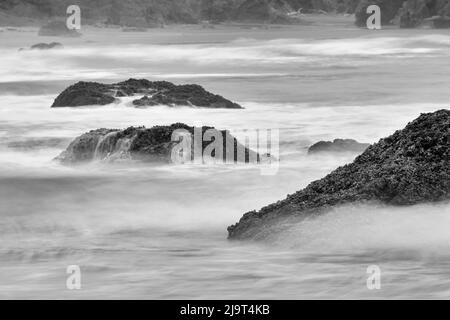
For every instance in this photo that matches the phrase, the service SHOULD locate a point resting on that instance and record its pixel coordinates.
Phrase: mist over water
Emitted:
(159, 231)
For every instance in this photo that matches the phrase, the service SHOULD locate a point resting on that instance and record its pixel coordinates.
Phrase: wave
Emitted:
(108, 62)
(374, 228)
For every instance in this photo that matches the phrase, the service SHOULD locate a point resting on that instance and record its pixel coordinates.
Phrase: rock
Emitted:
(145, 101)
(186, 95)
(440, 22)
(44, 46)
(411, 166)
(57, 29)
(134, 29)
(135, 86)
(142, 144)
(84, 94)
(338, 145)
(156, 93)
(414, 12)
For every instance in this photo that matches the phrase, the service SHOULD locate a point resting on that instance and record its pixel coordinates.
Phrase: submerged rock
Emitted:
(44, 46)
(156, 93)
(149, 145)
(134, 29)
(57, 29)
(338, 145)
(409, 167)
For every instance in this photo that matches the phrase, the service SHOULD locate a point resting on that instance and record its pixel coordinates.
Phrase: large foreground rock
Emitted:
(148, 145)
(409, 167)
(156, 93)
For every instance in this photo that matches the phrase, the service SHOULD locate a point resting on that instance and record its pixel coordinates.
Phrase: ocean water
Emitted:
(159, 231)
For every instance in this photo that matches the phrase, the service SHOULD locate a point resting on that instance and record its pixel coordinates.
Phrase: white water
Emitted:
(160, 231)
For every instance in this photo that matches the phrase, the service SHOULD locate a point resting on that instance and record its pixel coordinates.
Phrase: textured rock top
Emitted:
(156, 93)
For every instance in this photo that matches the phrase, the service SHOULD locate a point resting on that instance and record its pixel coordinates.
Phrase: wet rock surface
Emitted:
(156, 93)
(147, 144)
(84, 94)
(44, 46)
(411, 166)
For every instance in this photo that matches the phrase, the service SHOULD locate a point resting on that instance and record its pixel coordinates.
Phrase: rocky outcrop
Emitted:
(151, 145)
(408, 13)
(338, 145)
(414, 12)
(156, 13)
(141, 14)
(409, 167)
(57, 29)
(441, 22)
(155, 93)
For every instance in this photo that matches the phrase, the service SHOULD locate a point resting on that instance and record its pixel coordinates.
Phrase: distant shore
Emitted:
(312, 19)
